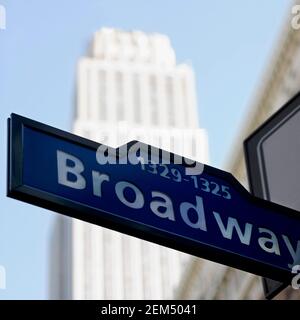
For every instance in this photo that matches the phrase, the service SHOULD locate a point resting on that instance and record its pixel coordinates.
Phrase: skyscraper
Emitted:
(129, 87)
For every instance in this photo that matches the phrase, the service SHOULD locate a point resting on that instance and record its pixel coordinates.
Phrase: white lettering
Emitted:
(138, 202)
(129, 311)
(296, 278)
(2, 17)
(262, 241)
(75, 170)
(186, 207)
(231, 224)
(2, 278)
(98, 179)
(134, 151)
(105, 155)
(166, 205)
(296, 19)
(295, 254)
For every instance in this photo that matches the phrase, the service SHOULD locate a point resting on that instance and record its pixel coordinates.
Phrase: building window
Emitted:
(108, 263)
(172, 144)
(153, 99)
(88, 94)
(185, 101)
(102, 94)
(170, 100)
(120, 96)
(87, 262)
(159, 142)
(137, 98)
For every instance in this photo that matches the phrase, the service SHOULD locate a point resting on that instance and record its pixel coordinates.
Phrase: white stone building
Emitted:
(128, 87)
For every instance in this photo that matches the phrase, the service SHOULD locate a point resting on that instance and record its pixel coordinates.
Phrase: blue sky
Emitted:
(228, 44)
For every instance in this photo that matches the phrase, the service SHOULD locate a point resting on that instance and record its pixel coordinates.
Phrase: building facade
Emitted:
(128, 87)
(279, 83)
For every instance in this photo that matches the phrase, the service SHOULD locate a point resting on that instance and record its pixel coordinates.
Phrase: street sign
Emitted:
(272, 155)
(187, 206)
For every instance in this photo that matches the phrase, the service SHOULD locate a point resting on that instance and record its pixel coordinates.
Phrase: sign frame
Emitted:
(17, 190)
(256, 168)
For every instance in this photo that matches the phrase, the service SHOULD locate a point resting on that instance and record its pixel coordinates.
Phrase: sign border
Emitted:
(17, 190)
(257, 185)
(256, 169)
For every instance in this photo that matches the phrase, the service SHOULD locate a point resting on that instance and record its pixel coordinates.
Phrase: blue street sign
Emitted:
(197, 209)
